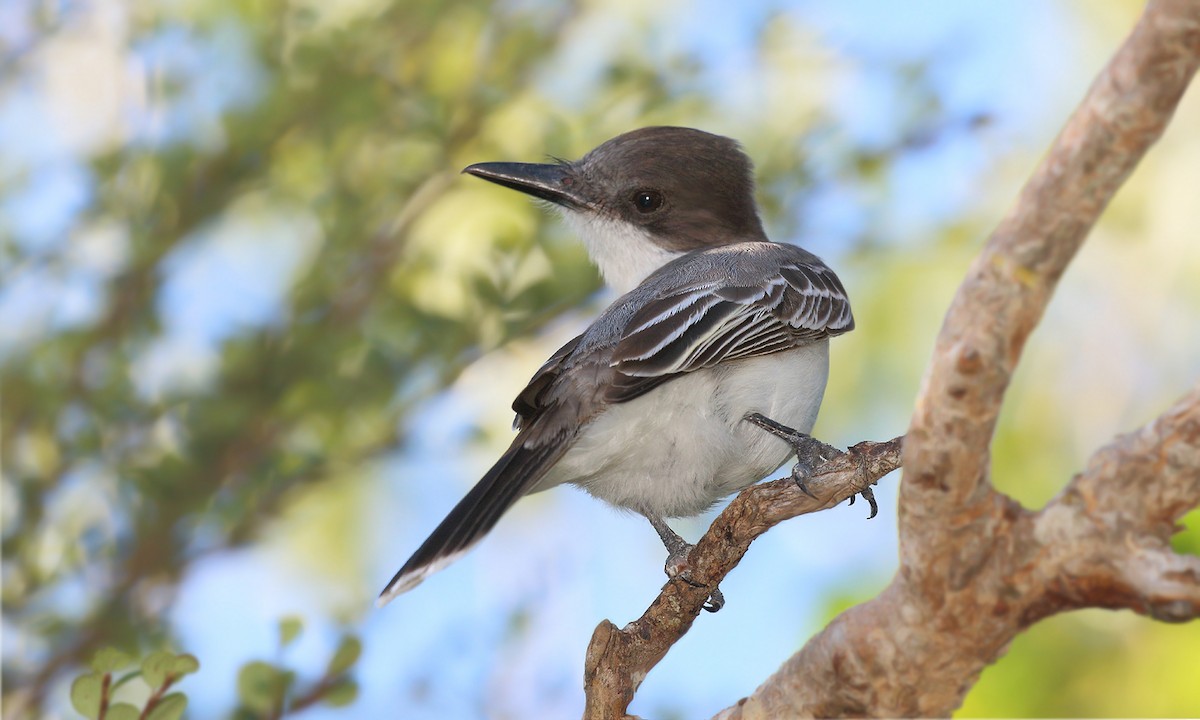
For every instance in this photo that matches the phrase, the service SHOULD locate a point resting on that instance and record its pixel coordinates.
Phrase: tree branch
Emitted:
(1010, 284)
(1156, 465)
(895, 656)
(618, 659)
(1107, 536)
(976, 568)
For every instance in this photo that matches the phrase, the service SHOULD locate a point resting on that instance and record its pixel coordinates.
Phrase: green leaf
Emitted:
(343, 692)
(169, 707)
(85, 694)
(345, 657)
(260, 686)
(184, 664)
(289, 629)
(109, 659)
(156, 667)
(122, 711)
(124, 679)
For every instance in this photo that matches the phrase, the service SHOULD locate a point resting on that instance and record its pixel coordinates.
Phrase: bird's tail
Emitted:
(513, 475)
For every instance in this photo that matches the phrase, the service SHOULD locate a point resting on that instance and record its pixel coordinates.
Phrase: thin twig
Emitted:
(618, 659)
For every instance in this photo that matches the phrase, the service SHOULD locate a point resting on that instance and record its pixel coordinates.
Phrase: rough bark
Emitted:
(975, 567)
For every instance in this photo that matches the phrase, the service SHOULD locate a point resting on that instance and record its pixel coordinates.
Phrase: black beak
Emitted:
(554, 183)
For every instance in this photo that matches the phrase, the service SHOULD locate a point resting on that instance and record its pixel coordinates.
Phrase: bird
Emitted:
(702, 377)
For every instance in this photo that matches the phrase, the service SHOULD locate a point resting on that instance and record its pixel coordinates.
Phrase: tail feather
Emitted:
(513, 475)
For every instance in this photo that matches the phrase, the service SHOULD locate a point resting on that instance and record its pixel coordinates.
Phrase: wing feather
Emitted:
(529, 403)
(710, 323)
(650, 337)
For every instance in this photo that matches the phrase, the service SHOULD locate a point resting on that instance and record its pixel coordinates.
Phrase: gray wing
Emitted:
(530, 402)
(712, 320)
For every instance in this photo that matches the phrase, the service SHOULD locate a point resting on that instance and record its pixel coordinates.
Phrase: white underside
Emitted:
(680, 448)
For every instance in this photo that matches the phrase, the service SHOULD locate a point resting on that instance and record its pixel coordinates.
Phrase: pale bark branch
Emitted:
(1010, 284)
(1166, 584)
(1107, 536)
(1150, 475)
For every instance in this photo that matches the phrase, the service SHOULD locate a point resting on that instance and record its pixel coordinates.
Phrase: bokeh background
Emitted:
(258, 335)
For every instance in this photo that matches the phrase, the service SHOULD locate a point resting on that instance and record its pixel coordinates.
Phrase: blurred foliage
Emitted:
(359, 129)
(265, 690)
(93, 694)
(1093, 663)
(268, 690)
(346, 137)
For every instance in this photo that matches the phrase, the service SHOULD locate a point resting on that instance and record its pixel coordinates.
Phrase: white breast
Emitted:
(683, 446)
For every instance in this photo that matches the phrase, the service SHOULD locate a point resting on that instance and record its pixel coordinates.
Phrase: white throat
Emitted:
(625, 254)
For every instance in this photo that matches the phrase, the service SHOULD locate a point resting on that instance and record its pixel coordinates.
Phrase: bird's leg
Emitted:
(810, 454)
(678, 550)
(677, 547)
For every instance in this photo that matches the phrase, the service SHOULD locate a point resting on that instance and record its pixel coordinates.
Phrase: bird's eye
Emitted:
(647, 201)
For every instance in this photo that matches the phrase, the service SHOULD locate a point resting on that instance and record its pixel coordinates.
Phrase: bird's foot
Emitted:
(677, 565)
(811, 453)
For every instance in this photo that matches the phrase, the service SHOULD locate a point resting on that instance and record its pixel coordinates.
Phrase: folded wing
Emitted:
(706, 323)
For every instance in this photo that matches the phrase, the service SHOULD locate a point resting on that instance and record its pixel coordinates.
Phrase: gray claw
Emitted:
(801, 471)
(716, 599)
(869, 496)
